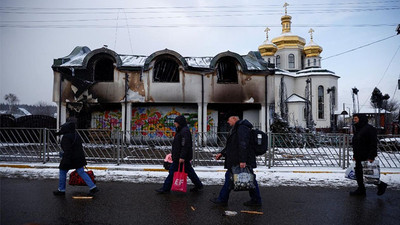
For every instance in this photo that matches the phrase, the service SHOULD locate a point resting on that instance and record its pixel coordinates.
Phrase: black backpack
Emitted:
(258, 141)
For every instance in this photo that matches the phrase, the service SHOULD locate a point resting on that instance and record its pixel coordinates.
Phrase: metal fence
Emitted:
(150, 147)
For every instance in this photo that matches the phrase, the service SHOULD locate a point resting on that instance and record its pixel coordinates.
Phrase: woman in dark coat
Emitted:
(182, 153)
(72, 157)
(364, 149)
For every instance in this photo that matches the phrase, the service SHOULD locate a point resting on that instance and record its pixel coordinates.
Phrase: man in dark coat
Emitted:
(182, 153)
(237, 152)
(364, 149)
(72, 157)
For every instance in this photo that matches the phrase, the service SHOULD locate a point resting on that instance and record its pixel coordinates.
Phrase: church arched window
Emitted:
(291, 61)
(315, 62)
(321, 102)
(278, 61)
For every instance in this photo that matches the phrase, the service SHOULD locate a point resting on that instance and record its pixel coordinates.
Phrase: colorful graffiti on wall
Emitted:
(150, 121)
(107, 120)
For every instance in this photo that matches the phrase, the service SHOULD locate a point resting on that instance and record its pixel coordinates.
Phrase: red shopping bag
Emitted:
(179, 182)
(76, 180)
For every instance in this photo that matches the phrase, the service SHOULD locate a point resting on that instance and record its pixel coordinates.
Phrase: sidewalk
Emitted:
(276, 176)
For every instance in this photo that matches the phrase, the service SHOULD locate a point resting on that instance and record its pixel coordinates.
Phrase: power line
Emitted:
(351, 50)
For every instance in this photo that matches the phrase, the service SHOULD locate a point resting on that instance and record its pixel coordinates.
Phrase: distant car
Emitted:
(389, 144)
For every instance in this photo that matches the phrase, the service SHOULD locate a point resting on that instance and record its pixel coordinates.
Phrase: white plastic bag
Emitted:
(371, 171)
(350, 173)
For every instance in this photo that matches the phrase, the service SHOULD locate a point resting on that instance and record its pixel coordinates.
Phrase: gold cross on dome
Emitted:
(311, 31)
(266, 31)
(285, 6)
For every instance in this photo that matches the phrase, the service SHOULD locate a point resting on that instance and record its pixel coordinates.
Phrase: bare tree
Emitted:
(11, 100)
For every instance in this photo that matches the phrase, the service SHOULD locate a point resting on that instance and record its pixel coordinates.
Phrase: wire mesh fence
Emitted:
(151, 147)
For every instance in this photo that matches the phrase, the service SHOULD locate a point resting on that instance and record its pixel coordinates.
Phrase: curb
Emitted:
(117, 168)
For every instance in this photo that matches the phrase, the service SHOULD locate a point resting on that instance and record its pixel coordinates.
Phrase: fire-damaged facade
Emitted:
(107, 90)
(128, 92)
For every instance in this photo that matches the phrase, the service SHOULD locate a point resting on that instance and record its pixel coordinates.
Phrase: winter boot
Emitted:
(93, 191)
(59, 193)
(358, 192)
(381, 188)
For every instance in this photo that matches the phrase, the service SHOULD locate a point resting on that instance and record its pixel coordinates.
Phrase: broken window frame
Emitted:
(166, 70)
(103, 68)
(227, 72)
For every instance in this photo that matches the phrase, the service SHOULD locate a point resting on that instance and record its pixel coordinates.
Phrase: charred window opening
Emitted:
(226, 71)
(166, 70)
(103, 70)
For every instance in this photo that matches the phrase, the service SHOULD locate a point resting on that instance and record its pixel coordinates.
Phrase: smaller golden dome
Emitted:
(312, 49)
(267, 48)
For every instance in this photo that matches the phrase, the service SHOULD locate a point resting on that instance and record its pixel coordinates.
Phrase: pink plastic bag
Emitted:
(179, 182)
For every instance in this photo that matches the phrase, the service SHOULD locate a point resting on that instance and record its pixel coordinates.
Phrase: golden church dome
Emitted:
(312, 49)
(287, 39)
(267, 48)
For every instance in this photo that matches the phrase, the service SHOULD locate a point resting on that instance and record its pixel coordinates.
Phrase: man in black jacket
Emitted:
(237, 152)
(364, 149)
(182, 153)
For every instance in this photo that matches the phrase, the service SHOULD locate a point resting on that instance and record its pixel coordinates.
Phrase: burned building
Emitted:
(103, 89)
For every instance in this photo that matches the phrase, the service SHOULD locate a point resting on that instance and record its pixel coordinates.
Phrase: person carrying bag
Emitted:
(182, 153)
(364, 149)
(72, 158)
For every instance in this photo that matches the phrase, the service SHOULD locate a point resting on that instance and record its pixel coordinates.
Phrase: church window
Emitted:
(278, 61)
(315, 62)
(291, 61)
(321, 102)
(308, 62)
(166, 70)
(226, 70)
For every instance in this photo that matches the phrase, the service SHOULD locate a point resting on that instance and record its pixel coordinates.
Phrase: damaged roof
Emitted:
(252, 62)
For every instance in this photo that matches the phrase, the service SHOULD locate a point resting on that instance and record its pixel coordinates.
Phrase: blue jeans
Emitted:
(188, 169)
(226, 190)
(63, 179)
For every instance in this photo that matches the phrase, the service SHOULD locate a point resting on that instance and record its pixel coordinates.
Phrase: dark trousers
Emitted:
(226, 190)
(359, 175)
(188, 169)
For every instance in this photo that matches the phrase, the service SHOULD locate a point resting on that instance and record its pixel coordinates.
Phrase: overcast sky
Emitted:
(358, 38)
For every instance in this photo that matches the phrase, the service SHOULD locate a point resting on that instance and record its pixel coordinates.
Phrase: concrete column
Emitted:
(126, 119)
(262, 118)
(199, 118)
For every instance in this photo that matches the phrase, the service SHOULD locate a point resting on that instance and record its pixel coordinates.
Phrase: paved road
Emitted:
(31, 201)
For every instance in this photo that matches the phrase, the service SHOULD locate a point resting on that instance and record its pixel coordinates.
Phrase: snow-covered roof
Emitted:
(253, 60)
(133, 60)
(199, 62)
(294, 98)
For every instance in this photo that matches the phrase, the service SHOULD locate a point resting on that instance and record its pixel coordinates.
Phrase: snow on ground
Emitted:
(277, 176)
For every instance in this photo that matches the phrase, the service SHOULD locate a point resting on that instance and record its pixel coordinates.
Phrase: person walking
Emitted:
(364, 149)
(237, 152)
(72, 157)
(182, 153)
